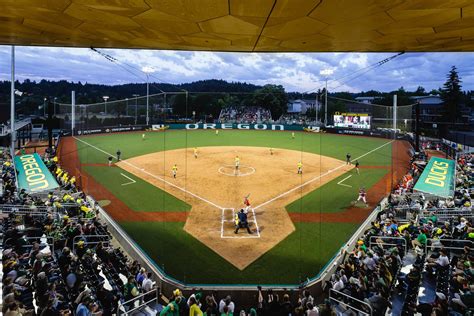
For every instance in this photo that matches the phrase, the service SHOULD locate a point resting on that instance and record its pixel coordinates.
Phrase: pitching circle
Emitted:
(229, 170)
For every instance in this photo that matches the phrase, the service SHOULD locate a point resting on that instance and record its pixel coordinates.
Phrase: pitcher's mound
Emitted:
(229, 170)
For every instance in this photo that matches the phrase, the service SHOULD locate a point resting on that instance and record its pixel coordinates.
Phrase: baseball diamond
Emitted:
(192, 215)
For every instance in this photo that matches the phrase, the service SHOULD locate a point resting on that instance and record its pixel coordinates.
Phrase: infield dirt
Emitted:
(209, 184)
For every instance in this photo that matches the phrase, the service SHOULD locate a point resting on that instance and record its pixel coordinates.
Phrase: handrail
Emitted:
(404, 242)
(431, 246)
(86, 242)
(349, 305)
(51, 245)
(140, 305)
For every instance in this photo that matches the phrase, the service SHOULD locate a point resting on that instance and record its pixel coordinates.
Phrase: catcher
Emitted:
(241, 221)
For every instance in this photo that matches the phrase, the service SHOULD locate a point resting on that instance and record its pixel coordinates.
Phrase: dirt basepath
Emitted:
(121, 212)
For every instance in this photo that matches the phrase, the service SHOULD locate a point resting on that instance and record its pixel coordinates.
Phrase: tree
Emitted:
(451, 95)
(420, 91)
(272, 97)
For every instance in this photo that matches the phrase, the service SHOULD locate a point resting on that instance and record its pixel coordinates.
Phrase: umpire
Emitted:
(242, 223)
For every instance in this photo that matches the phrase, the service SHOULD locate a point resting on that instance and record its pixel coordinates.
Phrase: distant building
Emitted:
(368, 100)
(302, 105)
(431, 108)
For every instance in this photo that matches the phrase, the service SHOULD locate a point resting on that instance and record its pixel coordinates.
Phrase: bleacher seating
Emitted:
(58, 258)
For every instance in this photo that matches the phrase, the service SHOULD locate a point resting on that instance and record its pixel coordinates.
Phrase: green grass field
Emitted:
(301, 255)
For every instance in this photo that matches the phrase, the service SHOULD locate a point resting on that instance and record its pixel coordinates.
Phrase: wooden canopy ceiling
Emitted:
(242, 25)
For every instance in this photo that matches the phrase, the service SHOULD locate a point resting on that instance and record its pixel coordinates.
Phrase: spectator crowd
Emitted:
(245, 114)
(58, 257)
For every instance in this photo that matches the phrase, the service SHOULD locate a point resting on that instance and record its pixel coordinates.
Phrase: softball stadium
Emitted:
(191, 217)
(233, 196)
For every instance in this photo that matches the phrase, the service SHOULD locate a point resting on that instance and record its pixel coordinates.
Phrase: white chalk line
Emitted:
(346, 185)
(318, 177)
(152, 175)
(131, 180)
(223, 220)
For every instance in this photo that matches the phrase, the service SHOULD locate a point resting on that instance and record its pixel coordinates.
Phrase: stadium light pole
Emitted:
(12, 103)
(44, 107)
(147, 71)
(54, 105)
(326, 73)
(105, 99)
(136, 106)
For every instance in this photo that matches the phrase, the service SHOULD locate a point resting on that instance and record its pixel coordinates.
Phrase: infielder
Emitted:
(357, 166)
(237, 164)
(300, 167)
(362, 196)
(271, 151)
(195, 152)
(174, 170)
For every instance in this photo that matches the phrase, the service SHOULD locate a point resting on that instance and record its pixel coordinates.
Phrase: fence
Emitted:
(86, 240)
(448, 244)
(142, 299)
(447, 214)
(347, 302)
(49, 242)
(392, 241)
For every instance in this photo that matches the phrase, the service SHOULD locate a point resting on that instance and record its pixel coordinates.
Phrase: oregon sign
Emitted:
(437, 178)
(33, 176)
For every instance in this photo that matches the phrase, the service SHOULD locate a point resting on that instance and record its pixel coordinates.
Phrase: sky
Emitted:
(299, 72)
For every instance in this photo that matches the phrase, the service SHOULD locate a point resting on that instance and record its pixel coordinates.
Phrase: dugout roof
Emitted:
(242, 25)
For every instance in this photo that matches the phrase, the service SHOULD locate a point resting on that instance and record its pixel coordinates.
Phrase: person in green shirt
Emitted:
(172, 309)
(420, 241)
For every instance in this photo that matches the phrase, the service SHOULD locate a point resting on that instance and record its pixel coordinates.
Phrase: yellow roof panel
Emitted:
(242, 25)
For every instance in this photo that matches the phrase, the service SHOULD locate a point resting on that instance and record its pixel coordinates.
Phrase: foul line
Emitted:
(131, 180)
(223, 220)
(346, 185)
(319, 177)
(150, 174)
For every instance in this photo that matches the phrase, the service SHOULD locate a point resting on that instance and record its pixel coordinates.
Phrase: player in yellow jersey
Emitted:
(237, 165)
(271, 151)
(300, 168)
(175, 170)
(195, 152)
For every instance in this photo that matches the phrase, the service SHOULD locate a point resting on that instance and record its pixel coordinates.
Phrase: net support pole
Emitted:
(73, 112)
(12, 103)
(394, 116)
(417, 126)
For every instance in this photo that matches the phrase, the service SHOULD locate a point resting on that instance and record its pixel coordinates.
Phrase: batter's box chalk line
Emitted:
(229, 170)
(224, 232)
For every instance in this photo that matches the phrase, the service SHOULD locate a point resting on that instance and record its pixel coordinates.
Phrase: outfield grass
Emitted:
(336, 197)
(336, 146)
(299, 256)
(140, 196)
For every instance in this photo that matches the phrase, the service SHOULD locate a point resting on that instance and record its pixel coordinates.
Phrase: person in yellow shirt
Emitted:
(300, 167)
(217, 132)
(271, 151)
(237, 164)
(174, 170)
(293, 135)
(194, 309)
(195, 152)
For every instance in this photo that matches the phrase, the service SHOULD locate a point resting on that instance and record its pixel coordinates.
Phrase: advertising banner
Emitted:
(33, 176)
(437, 178)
